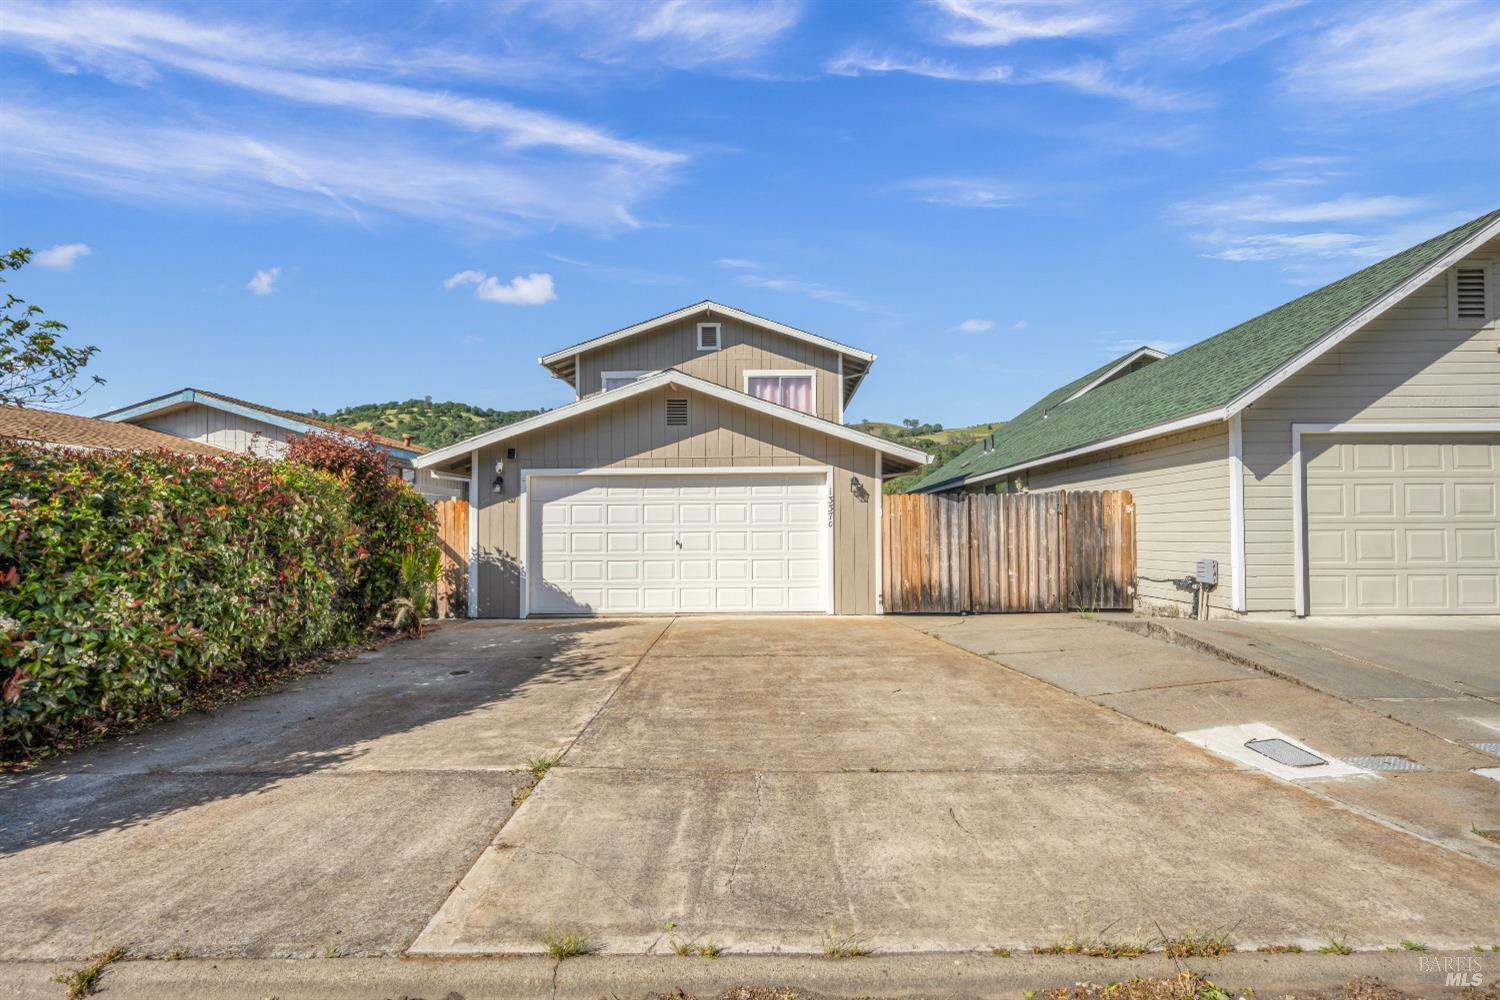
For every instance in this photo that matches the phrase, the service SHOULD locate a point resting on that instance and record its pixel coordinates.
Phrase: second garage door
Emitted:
(660, 543)
(1403, 525)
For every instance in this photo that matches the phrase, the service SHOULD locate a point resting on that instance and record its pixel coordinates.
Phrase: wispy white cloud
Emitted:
(1266, 207)
(264, 281)
(679, 33)
(621, 272)
(1100, 80)
(61, 257)
(1004, 22)
(522, 290)
(963, 192)
(807, 289)
(860, 62)
(1402, 53)
(739, 263)
(317, 173)
(1019, 325)
(975, 326)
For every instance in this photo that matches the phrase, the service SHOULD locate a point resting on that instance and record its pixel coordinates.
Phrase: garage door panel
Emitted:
(655, 543)
(1406, 525)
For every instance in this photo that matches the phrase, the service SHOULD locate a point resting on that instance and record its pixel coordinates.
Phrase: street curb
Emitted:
(954, 975)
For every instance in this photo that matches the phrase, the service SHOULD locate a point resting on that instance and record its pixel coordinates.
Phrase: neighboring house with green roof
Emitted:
(1339, 454)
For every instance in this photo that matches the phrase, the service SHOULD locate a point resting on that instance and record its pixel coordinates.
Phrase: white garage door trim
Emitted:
(825, 523)
(1299, 477)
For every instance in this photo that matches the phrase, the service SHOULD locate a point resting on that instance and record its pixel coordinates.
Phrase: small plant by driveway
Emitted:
(838, 944)
(83, 982)
(562, 944)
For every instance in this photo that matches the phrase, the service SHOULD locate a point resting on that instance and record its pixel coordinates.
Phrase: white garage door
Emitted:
(668, 543)
(1403, 525)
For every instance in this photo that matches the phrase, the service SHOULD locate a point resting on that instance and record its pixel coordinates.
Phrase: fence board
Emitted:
(954, 553)
(453, 543)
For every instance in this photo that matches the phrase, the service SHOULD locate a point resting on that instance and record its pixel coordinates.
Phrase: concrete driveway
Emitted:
(755, 782)
(1441, 674)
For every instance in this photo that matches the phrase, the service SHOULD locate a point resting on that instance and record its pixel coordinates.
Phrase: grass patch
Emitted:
(562, 944)
(1281, 949)
(1336, 946)
(538, 766)
(1198, 944)
(837, 944)
(1413, 946)
(1081, 940)
(83, 982)
(1000, 952)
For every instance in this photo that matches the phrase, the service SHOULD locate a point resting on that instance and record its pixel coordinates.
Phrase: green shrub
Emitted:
(129, 582)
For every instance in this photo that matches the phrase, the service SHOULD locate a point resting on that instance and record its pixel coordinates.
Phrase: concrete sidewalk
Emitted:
(1187, 692)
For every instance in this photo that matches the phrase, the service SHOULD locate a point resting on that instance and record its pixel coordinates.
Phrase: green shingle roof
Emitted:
(1209, 374)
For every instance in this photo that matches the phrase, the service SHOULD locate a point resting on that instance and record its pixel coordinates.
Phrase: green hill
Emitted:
(431, 424)
(943, 443)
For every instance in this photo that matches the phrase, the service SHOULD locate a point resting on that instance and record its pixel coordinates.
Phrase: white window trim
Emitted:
(718, 336)
(810, 374)
(604, 378)
(524, 513)
(1299, 479)
(1491, 294)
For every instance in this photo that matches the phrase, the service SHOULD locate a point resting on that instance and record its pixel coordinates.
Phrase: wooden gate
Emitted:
(453, 541)
(988, 552)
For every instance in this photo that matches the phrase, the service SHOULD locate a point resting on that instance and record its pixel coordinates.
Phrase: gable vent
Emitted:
(677, 413)
(1468, 292)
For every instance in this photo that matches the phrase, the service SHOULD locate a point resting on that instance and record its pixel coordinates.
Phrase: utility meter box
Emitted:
(1207, 572)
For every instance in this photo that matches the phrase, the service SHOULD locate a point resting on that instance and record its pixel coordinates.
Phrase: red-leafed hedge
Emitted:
(130, 582)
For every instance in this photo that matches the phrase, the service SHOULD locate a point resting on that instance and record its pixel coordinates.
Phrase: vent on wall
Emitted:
(1467, 293)
(677, 412)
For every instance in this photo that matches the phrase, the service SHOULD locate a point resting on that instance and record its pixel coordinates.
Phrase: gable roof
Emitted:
(856, 362)
(72, 431)
(1214, 378)
(280, 418)
(656, 380)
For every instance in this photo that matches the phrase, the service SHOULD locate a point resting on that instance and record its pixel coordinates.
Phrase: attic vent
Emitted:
(708, 336)
(1467, 293)
(677, 413)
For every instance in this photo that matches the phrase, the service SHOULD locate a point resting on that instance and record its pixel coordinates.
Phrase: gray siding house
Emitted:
(1337, 455)
(249, 428)
(703, 467)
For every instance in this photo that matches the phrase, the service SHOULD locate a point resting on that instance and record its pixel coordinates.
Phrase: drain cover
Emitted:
(1385, 762)
(1493, 749)
(1286, 753)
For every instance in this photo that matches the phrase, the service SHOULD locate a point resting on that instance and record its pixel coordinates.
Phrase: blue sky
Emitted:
(312, 205)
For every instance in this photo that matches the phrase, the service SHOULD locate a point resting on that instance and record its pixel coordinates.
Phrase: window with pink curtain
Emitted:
(795, 391)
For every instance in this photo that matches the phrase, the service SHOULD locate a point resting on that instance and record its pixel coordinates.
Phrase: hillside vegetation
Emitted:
(943, 443)
(431, 424)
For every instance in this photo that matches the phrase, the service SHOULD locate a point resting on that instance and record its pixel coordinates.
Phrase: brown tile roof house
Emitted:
(68, 430)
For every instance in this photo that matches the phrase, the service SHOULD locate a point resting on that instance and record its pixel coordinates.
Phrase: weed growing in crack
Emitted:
(1198, 944)
(1081, 940)
(85, 981)
(1281, 949)
(562, 944)
(837, 944)
(1336, 946)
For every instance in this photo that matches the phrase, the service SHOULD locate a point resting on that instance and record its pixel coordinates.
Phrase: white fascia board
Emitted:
(706, 306)
(647, 384)
(1117, 367)
(1171, 427)
(1342, 332)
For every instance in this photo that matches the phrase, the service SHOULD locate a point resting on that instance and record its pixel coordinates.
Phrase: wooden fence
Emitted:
(453, 540)
(1000, 552)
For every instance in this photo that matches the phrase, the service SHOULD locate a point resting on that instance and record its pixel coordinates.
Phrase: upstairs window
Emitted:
(709, 336)
(790, 389)
(615, 380)
(1470, 297)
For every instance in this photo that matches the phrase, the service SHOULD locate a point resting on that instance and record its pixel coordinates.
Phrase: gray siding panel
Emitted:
(745, 348)
(1408, 366)
(1181, 488)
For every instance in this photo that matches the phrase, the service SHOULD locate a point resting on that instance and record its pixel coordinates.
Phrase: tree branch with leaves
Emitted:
(36, 368)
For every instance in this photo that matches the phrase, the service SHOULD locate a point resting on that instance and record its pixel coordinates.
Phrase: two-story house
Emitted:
(704, 467)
